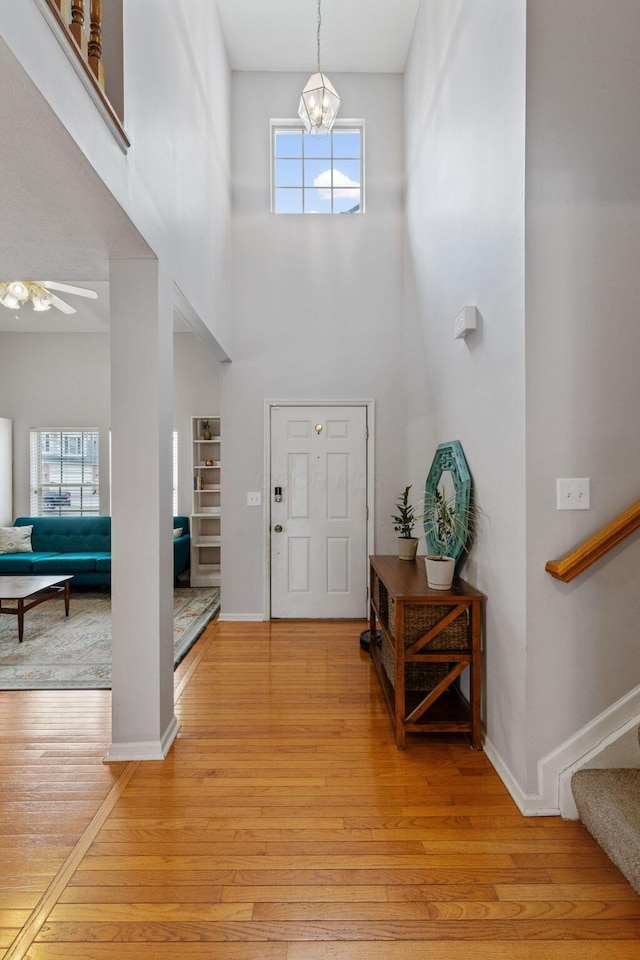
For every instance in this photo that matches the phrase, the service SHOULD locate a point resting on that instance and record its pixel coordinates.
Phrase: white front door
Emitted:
(319, 528)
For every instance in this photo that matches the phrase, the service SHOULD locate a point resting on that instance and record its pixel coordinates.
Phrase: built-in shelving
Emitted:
(206, 538)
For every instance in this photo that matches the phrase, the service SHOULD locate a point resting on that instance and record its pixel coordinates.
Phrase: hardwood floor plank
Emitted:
(132, 913)
(12, 918)
(178, 862)
(449, 910)
(354, 877)
(7, 936)
(191, 893)
(156, 951)
(498, 950)
(428, 930)
(573, 891)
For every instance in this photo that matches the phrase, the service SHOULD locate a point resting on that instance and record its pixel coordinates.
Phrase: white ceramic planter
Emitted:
(440, 572)
(407, 548)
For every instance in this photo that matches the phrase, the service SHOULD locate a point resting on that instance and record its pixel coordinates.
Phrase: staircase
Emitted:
(608, 803)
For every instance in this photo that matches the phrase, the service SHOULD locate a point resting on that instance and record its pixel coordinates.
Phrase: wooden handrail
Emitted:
(591, 550)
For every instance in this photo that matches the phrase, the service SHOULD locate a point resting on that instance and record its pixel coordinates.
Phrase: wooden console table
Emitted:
(428, 637)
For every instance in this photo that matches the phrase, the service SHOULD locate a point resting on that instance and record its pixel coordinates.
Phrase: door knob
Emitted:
(278, 528)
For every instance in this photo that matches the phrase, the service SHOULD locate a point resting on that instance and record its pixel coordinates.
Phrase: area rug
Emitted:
(75, 653)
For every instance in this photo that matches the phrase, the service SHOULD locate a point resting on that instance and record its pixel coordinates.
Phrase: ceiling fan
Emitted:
(18, 292)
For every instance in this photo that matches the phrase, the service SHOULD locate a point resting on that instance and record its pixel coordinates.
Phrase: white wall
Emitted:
(317, 307)
(63, 380)
(464, 109)
(583, 344)
(54, 380)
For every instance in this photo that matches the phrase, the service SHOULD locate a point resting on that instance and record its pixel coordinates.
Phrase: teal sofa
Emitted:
(80, 546)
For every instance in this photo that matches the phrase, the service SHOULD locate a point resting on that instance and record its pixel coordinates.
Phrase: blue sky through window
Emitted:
(317, 174)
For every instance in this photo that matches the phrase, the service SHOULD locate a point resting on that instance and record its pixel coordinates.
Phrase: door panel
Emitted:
(337, 486)
(319, 557)
(338, 565)
(298, 470)
(298, 548)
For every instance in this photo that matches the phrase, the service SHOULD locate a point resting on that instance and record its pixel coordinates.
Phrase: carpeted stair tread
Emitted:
(608, 803)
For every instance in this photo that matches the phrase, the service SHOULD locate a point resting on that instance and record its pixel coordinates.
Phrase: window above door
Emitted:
(312, 174)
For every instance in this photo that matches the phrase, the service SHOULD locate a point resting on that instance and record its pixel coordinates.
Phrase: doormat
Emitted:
(75, 653)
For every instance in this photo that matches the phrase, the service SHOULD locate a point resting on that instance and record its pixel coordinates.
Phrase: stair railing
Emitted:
(596, 547)
(72, 15)
(86, 49)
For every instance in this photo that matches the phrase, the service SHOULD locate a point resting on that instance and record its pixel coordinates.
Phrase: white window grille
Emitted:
(64, 473)
(311, 174)
(175, 473)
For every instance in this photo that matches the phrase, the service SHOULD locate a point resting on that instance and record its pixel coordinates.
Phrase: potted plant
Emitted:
(205, 426)
(448, 530)
(404, 520)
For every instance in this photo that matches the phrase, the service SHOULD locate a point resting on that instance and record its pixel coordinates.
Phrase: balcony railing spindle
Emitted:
(95, 41)
(77, 26)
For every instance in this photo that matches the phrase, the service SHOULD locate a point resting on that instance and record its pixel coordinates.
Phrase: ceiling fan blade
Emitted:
(67, 288)
(61, 305)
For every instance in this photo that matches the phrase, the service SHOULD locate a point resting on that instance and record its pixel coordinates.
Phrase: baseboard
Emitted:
(556, 768)
(554, 797)
(240, 617)
(529, 805)
(143, 749)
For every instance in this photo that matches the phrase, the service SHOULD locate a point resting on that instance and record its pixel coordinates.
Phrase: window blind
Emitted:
(175, 473)
(64, 473)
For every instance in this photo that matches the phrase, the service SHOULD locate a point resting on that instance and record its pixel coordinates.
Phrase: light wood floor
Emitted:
(284, 825)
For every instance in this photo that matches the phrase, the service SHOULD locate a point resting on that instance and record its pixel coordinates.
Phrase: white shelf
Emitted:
(205, 580)
(206, 539)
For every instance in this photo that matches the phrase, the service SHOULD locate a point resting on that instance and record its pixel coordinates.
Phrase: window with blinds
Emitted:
(175, 473)
(64, 473)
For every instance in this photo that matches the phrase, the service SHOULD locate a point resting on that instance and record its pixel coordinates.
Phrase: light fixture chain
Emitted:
(319, 102)
(319, 25)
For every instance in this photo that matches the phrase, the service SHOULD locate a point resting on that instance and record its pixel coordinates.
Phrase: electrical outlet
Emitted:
(573, 493)
(254, 499)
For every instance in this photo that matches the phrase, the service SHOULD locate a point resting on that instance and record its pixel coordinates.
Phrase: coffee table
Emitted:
(34, 589)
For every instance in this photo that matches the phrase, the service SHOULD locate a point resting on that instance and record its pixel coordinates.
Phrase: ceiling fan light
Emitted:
(10, 302)
(18, 290)
(40, 304)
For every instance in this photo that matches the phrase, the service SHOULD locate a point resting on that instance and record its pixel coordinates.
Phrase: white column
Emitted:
(143, 720)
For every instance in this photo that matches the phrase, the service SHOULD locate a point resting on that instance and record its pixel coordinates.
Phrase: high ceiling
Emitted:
(272, 35)
(363, 36)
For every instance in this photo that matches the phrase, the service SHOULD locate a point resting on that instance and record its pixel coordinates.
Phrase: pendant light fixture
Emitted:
(319, 103)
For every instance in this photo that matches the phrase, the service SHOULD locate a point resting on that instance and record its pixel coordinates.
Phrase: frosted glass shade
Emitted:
(319, 105)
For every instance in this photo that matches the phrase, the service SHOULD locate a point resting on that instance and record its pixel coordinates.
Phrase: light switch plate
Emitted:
(254, 499)
(573, 493)
(464, 323)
